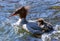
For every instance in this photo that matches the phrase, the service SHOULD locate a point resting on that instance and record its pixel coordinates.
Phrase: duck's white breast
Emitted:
(25, 27)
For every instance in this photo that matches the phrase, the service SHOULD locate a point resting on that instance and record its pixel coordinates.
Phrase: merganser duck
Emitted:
(31, 27)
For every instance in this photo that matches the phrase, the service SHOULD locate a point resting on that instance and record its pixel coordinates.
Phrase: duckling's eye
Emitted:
(39, 21)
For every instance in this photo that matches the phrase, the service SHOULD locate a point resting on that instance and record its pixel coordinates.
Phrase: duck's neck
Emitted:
(23, 21)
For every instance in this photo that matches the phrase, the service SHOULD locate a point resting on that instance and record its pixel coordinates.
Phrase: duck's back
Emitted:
(32, 27)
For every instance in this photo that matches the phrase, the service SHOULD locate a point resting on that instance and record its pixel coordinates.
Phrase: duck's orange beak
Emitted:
(12, 15)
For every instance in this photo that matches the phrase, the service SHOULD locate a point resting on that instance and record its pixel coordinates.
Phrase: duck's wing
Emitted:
(34, 25)
(32, 28)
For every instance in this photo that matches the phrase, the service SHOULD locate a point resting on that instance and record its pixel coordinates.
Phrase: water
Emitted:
(38, 9)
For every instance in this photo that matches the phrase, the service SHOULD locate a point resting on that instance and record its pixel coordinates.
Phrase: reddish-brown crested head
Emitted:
(22, 12)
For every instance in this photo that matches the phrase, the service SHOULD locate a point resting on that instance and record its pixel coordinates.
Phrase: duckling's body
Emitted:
(46, 27)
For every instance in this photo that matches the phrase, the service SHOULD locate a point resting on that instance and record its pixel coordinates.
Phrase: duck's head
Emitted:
(22, 12)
